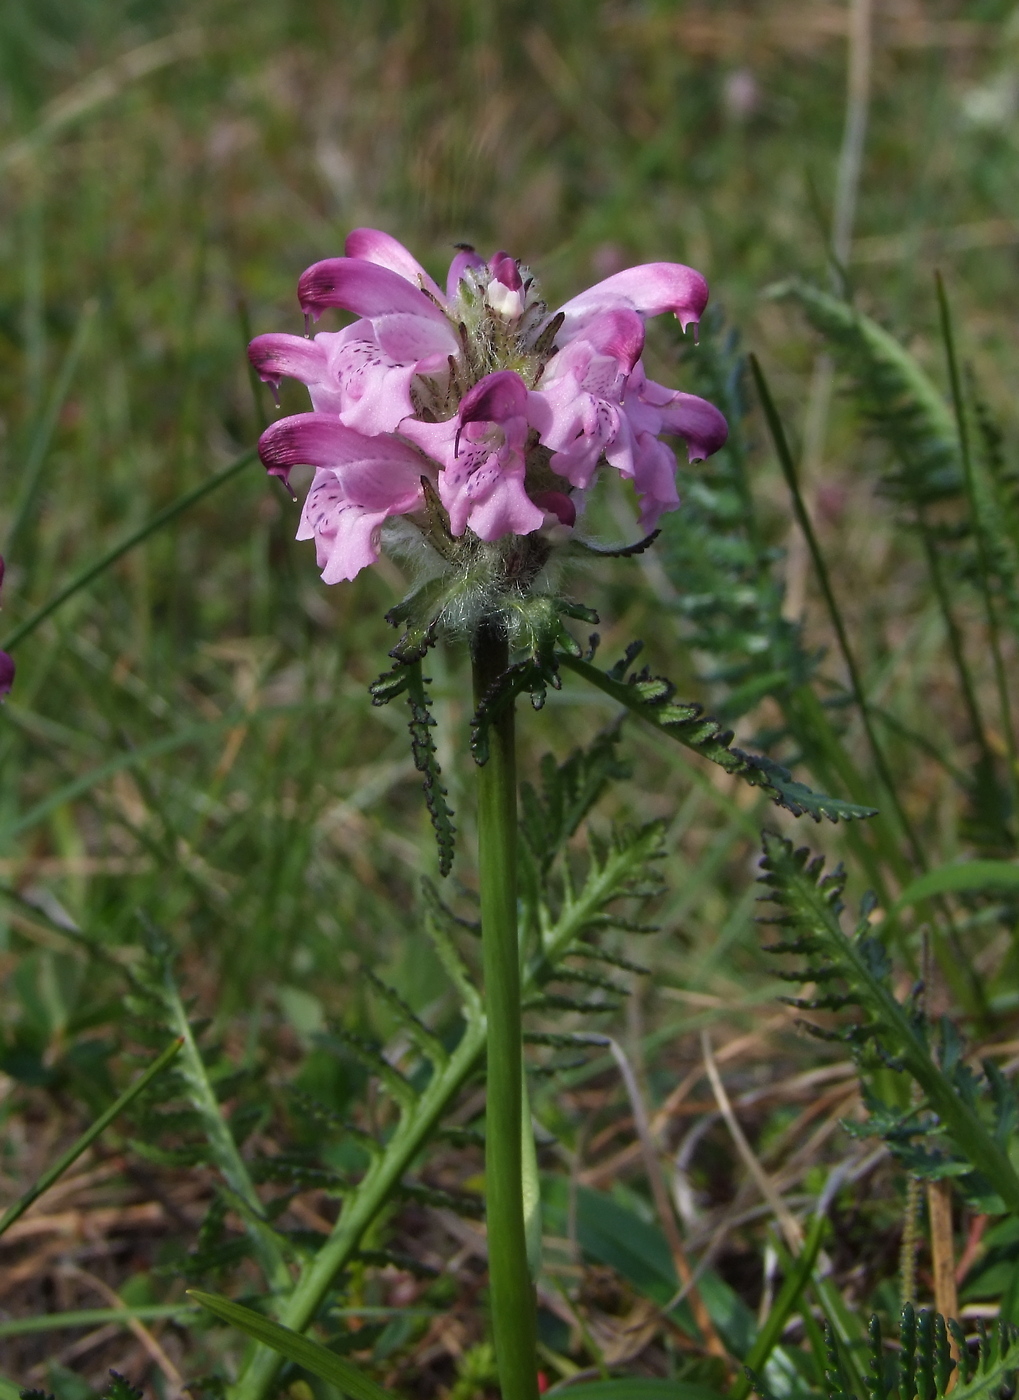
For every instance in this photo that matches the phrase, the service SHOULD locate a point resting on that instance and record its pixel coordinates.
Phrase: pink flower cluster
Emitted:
(478, 392)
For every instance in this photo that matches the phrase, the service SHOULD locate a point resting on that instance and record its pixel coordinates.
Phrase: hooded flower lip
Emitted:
(374, 246)
(650, 290)
(406, 323)
(278, 356)
(514, 407)
(359, 483)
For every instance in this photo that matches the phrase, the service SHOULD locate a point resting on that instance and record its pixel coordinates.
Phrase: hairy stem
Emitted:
(513, 1303)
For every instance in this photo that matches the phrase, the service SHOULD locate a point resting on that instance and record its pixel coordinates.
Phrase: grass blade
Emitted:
(953, 879)
(302, 1350)
(35, 457)
(93, 1317)
(92, 572)
(72, 1154)
(980, 537)
(785, 460)
(788, 1296)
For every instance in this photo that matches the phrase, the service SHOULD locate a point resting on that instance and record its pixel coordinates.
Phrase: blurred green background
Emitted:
(166, 172)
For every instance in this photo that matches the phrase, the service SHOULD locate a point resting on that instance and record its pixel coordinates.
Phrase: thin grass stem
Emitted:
(38, 448)
(788, 466)
(156, 522)
(17, 1210)
(983, 561)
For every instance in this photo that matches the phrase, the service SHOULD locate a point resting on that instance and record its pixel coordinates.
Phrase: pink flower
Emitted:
(580, 413)
(481, 452)
(359, 483)
(513, 409)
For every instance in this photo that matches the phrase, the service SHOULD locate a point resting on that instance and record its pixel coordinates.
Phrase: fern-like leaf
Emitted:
(406, 678)
(653, 699)
(810, 904)
(897, 397)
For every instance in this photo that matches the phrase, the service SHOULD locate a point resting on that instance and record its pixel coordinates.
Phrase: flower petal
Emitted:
(380, 470)
(557, 503)
(495, 398)
(277, 356)
(465, 258)
(618, 333)
(374, 246)
(654, 477)
(375, 387)
(362, 287)
(506, 270)
(346, 534)
(6, 673)
(490, 498)
(699, 423)
(650, 289)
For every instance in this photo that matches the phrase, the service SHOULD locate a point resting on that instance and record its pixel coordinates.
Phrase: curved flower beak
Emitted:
(650, 290)
(319, 440)
(407, 324)
(277, 356)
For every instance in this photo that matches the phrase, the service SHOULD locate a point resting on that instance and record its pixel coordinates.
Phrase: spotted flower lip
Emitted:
(359, 483)
(482, 483)
(508, 409)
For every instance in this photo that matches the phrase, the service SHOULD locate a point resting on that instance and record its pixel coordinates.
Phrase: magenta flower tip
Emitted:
(6, 674)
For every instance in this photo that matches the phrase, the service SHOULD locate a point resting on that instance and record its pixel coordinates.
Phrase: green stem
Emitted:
(513, 1303)
(302, 1306)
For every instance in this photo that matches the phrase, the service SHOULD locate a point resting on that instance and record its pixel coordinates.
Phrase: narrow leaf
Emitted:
(92, 571)
(17, 1210)
(302, 1350)
(953, 879)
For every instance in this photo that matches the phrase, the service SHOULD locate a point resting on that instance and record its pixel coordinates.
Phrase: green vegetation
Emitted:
(210, 834)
